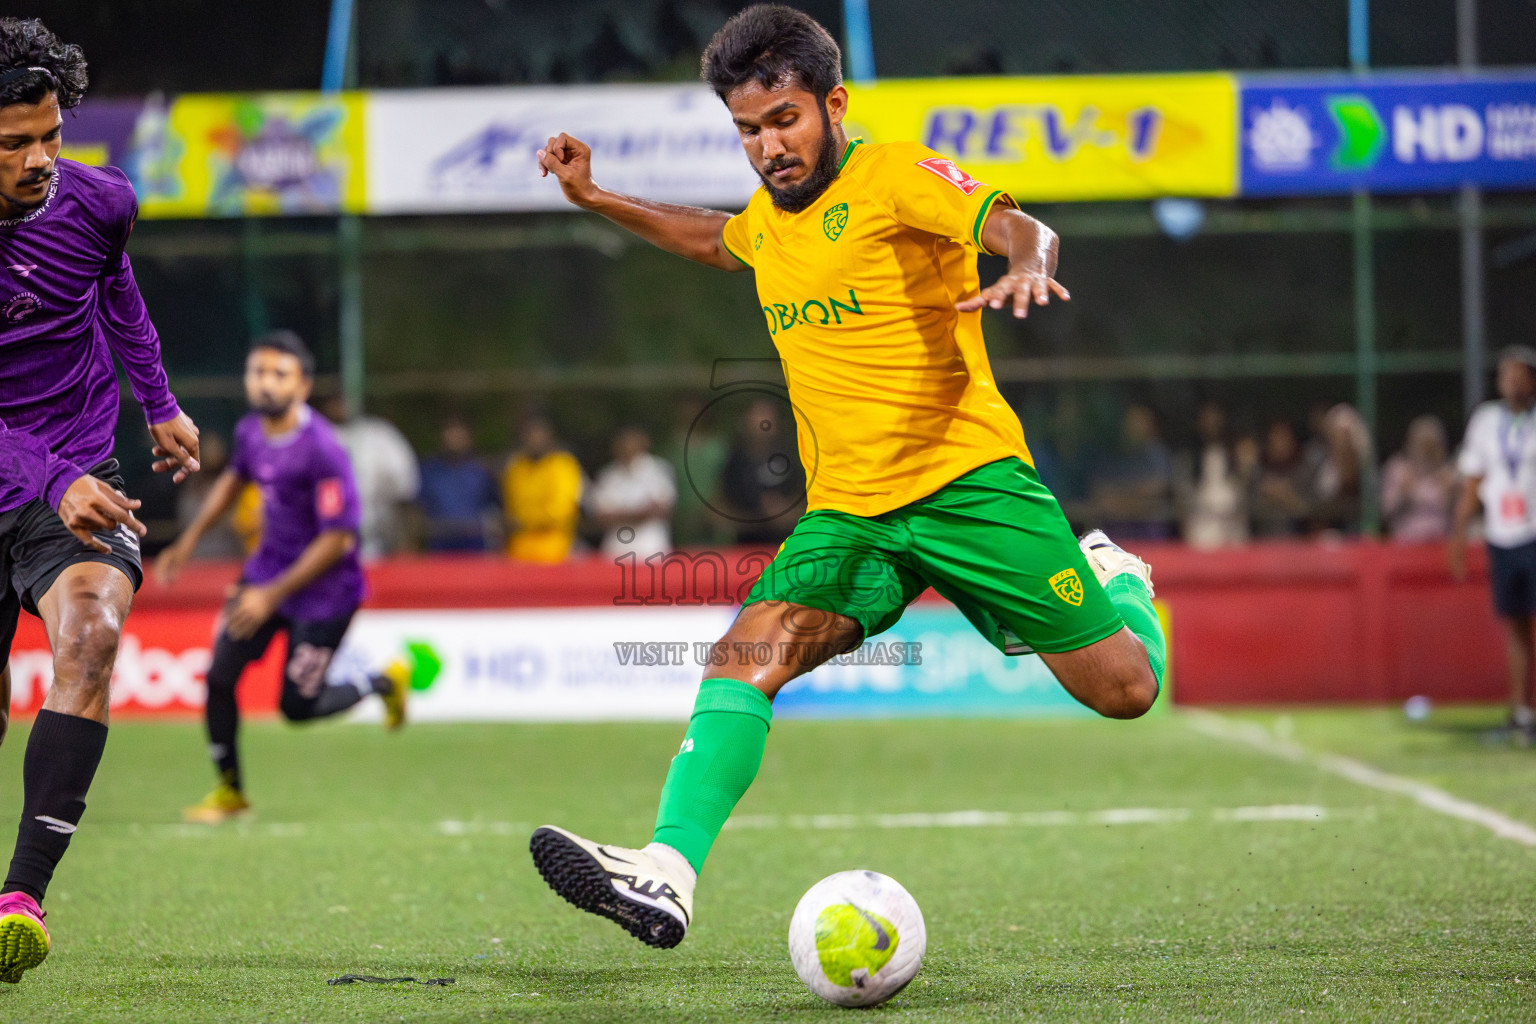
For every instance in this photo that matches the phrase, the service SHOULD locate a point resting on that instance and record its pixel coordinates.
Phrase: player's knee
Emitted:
(87, 643)
(1132, 694)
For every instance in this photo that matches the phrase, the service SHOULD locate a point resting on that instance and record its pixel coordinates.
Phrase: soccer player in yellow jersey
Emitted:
(918, 472)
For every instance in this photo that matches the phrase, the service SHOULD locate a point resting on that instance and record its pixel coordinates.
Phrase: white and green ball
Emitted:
(857, 938)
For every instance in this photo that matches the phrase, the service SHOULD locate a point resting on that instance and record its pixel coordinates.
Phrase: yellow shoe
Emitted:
(398, 695)
(223, 804)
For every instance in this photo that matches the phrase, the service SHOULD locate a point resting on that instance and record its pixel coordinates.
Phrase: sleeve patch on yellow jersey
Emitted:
(950, 172)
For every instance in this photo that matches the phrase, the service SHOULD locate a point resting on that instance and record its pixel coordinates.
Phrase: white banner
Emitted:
(459, 150)
(644, 664)
(555, 665)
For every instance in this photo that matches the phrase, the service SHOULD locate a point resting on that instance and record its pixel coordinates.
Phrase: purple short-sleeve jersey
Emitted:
(307, 488)
(68, 304)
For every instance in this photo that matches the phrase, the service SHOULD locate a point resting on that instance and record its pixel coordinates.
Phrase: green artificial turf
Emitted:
(407, 855)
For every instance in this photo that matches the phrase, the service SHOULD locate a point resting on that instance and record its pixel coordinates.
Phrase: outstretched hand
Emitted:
(570, 161)
(176, 447)
(1023, 287)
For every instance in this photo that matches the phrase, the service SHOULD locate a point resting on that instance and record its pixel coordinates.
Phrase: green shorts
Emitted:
(994, 542)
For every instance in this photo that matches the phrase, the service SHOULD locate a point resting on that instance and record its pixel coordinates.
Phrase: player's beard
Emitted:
(24, 206)
(270, 407)
(796, 197)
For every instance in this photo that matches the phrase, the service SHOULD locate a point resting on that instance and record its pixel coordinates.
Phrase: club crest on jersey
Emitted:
(18, 307)
(834, 220)
(950, 172)
(1068, 587)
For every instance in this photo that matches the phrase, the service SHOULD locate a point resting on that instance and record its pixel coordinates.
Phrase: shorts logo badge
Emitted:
(1068, 587)
(834, 220)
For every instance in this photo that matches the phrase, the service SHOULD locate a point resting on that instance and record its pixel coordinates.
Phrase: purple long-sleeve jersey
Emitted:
(68, 304)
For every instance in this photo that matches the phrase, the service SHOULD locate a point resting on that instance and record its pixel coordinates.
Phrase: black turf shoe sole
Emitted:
(577, 876)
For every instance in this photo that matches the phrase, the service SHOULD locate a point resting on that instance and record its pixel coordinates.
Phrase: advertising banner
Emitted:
(101, 132)
(253, 155)
(160, 668)
(448, 150)
(1091, 137)
(572, 665)
(635, 664)
(1387, 134)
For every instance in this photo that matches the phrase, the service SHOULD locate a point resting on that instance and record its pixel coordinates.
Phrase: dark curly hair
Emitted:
(26, 43)
(772, 45)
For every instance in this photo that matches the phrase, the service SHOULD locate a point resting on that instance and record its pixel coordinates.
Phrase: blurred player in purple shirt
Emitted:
(69, 542)
(303, 578)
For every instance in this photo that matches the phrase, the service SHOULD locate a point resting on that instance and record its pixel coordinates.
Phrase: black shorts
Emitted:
(35, 548)
(311, 645)
(1512, 571)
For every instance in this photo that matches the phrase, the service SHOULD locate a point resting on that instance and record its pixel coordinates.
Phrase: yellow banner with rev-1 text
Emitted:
(1094, 137)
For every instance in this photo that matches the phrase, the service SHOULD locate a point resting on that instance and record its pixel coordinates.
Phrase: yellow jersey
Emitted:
(542, 498)
(892, 391)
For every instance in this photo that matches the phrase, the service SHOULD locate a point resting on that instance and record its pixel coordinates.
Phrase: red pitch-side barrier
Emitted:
(1271, 623)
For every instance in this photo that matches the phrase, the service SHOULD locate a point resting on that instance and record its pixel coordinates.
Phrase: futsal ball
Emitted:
(857, 938)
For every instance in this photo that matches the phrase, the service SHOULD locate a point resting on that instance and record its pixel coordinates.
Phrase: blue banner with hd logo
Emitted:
(1387, 134)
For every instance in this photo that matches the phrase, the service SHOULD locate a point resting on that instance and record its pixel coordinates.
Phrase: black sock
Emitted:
(331, 699)
(62, 754)
(338, 697)
(223, 717)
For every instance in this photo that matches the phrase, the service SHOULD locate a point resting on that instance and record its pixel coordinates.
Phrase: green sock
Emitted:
(718, 761)
(1130, 598)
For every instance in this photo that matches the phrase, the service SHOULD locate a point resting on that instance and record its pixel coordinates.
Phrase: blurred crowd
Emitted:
(1229, 487)
(735, 483)
(742, 482)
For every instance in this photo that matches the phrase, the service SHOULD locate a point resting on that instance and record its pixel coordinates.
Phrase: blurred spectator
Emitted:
(633, 497)
(387, 476)
(248, 518)
(1337, 480)
(1063, 456)
(541, 492)
(1214, 486)
(1498, 455)
(763, 482)
(458, 494)
(1277, 501)
(1133, 486)
(697, 451)
(222, 540)
(1418, 486)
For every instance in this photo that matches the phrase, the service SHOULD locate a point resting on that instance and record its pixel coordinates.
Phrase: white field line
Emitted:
(454, 828)
(1422, 793)
(1027, 819)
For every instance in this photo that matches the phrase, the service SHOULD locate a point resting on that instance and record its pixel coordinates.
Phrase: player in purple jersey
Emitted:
(69, 542)
(304, 577)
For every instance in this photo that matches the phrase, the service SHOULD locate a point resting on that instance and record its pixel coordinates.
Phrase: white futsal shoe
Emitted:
(647, 892)
(1108, 559)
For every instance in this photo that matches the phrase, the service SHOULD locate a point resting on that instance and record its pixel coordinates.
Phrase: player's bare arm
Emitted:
(1031, 248)
(219, 500)
(1466, 507)
(686, 231)
(253, 604)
